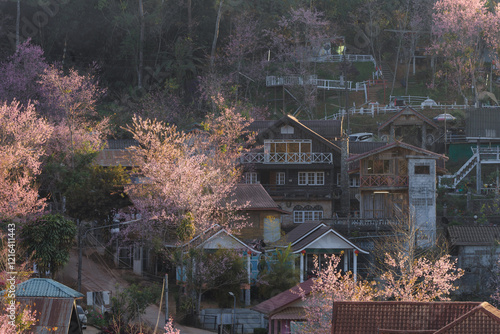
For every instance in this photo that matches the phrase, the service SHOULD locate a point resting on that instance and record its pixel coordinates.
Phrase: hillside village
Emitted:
(315, 168)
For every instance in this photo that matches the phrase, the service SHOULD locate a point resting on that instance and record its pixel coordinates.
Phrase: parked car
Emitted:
(428, 103)
(362, 136)
(82, 314)
(444, 117)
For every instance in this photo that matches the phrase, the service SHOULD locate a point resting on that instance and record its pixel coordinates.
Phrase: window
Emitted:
(307, 213)
(378, 167)
(287, 130)
(280, 178)
(287, 146)
(250, 177)
(311, 178)
(422, 169)
(353, 180)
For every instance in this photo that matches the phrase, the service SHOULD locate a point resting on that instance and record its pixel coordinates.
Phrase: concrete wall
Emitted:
(422, 197)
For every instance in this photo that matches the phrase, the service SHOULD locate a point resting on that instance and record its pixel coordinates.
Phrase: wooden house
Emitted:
(297, 163)
(396, 178)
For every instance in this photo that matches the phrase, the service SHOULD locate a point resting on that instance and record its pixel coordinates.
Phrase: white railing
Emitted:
(272, 80)
(287, 158)
(340, 58)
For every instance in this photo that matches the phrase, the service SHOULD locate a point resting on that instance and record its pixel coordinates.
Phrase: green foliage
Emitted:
(96, 191)
(280, 274)
(186, 229)
(130, 303)
(49, 239)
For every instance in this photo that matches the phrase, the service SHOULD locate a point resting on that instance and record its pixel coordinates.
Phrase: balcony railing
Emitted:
(295, 191)
(287, 158)
(384, 181)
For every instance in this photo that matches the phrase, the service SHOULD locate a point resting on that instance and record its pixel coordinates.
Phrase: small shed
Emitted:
(477, 250)
(54, 303)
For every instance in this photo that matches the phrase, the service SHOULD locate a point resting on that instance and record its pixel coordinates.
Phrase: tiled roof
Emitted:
(254, 195)
(397, 317)
(44, 287)
(473, 235)
(284, 299)
(484, 319)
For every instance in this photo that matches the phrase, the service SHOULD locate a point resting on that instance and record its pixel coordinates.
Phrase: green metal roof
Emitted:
(45, 287)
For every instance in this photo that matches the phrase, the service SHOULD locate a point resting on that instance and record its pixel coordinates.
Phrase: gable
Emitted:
(330, 241)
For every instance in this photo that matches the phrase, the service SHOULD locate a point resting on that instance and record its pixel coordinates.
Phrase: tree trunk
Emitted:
(216, 34)
(141, 42)
(18, 22)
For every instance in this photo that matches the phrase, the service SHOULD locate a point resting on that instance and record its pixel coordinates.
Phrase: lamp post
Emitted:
(234, 311)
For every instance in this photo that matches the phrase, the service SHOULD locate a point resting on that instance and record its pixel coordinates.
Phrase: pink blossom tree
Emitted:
(419, 279)
(169, 327)
(463, 32)
(23, 136)
(404, 280)
(188, 174)
(331, 285)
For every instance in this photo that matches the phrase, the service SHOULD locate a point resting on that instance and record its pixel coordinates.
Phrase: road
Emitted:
(100, 277)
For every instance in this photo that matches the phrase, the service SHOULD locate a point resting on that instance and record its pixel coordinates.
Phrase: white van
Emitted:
(362, 136)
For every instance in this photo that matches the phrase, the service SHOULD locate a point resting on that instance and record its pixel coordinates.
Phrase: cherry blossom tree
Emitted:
(331, 285)
(420, 279)
(463, 32)
(189, 175)
(404, 280)
(23, 136)
(169, 327)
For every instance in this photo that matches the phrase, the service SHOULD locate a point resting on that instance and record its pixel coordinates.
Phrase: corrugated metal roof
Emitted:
(53, 314)
(284, 299)
(45, 287)
(302, 230)
(474, 235)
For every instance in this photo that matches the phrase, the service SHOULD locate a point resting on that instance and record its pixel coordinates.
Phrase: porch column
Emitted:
(249, 271)
(301, 267)
(478, 170)
(276, 326)
(346, 261)
(355, 264)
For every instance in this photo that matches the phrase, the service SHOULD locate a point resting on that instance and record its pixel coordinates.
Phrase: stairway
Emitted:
(461, 174)
(387, 72)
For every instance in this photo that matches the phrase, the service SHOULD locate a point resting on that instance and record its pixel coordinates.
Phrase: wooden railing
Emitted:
(295, 191)
(384, 181)
(287, 158)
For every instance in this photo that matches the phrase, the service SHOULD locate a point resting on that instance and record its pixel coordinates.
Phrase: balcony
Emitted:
(287, 158)
(298, 192)
(392, 181)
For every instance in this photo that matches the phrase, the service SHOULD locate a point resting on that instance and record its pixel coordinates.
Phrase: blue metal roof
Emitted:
(45, 287)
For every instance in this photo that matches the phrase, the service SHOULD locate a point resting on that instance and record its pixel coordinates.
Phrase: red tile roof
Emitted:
(396, 317)
(284, 299)
(484, 319)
